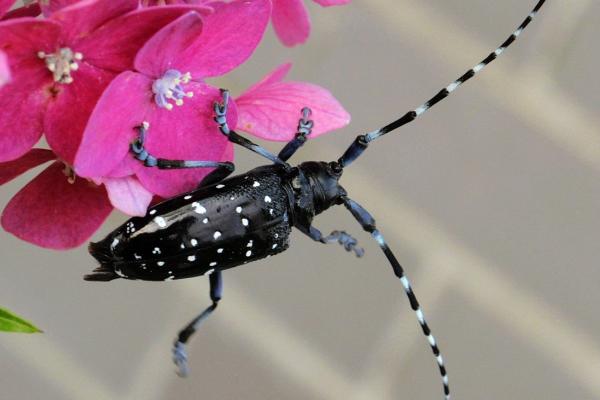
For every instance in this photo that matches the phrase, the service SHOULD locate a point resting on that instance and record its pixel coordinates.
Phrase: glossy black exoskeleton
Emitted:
(226, 223)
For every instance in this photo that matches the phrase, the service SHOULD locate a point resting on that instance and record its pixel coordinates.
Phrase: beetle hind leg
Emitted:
(180, 357)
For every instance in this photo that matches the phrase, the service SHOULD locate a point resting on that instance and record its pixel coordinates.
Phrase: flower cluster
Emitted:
(88, 73)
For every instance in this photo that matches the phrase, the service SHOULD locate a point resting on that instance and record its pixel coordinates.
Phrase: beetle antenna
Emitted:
(368, 224)
(361, 143)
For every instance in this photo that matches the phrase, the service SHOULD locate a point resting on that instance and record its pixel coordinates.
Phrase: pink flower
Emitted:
(271, 108)
(61, 65)
(291, 20)
(5, 6)
(167, 90)
(49, 211)
(58, 210)
(4, 70)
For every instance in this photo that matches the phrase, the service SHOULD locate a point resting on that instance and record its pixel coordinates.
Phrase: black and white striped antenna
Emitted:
(362, 142)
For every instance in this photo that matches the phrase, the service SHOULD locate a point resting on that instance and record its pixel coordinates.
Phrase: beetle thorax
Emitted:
(322, 181)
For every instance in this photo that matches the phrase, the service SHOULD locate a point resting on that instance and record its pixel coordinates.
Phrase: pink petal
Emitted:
(128, 195)
(82, 18)
(163, 51)
(50, 212)
(5, 6)
(272, 110)
(51, 6)
(185, 133)
(229, 37)
(291, 21)
(114, 45)
(31, 10)
(111, 127)
(327, 3)
(22, 38)
(22, 104)
(277, 75)
(70, 109)
(10, 170)
(4, 69)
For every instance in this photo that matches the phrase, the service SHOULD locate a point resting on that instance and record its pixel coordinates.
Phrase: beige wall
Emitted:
(491, 201)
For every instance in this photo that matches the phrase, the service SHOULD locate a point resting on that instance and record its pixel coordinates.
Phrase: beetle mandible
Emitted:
(229, 222)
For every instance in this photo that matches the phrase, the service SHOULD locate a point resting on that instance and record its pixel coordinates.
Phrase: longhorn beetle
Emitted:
(230, 222)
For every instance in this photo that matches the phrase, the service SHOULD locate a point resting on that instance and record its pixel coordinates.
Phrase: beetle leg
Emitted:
(179, 353)
(341, 237)
(221, 119)
(140, 153)
(216, 175)
(368, 224)
(305, 126)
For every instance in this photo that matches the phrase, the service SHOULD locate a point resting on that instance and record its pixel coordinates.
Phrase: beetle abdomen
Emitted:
(242, 219)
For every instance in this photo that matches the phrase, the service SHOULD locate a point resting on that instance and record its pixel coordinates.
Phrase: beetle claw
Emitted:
(180, 359)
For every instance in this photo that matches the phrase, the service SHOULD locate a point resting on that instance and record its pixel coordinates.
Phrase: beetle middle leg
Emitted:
(341, 237)
(179, 353)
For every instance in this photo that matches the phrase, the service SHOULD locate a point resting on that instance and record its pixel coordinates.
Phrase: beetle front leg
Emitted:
(220, 110)
(341, 237)
(179, 353)
(305, 126)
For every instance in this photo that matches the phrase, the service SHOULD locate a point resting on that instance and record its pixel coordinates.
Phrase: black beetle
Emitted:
(226, 223)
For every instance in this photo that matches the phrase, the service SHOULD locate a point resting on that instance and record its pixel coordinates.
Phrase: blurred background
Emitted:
(491, 201)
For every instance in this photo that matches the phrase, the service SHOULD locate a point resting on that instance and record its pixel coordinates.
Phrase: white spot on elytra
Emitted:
(274, 246)
(187, 197)
(205, 221)
(212, 264)
(219, 251)
(267, 199)
(255, 184)
(245, 221)
(152, 212)
(276, 235)
(114, 243)
(220, 186)
(238, 210)
(169, 278)
(217, 234)
(210, 271)
(232, 198)
(160, 263)
(271, 211)
(198, 208)
(248, 253)
(250, 243)
(182, 245)
(160, 221)
(191, 258)
(156, 250)
(194, 242)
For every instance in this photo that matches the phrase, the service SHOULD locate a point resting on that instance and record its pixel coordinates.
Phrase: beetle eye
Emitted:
(336, 168)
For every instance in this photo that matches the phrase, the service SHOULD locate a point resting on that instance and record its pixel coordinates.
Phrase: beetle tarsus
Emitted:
(180, 359)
